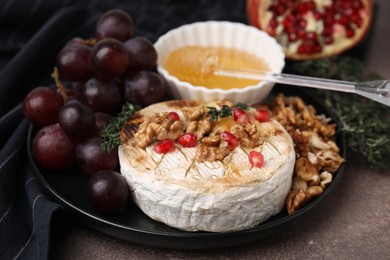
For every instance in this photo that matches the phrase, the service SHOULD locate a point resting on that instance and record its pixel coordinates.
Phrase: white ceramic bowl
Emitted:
(223, 34)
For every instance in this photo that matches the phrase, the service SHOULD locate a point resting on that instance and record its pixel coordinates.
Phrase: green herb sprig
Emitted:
(242, 106)
(111, 133)
(364, 123)
(215, 114)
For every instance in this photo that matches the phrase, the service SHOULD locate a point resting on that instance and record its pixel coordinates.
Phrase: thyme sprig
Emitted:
(111, 134)
(364, 123)
(242, 106)
(215, 114)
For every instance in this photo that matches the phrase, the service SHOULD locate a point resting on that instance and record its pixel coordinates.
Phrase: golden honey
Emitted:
(194, 64)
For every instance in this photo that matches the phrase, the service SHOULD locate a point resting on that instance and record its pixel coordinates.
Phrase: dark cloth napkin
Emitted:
(31, 34)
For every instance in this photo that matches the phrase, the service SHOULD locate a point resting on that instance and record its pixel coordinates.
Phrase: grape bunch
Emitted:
(94, 78)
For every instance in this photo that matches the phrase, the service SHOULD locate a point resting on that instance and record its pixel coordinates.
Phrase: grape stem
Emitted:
(56, 76)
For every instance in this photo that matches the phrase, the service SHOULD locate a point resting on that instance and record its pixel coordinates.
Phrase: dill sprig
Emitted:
(111, 133)
(364, 123)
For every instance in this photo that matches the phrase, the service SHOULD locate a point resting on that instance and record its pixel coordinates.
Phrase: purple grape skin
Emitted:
(107, 191)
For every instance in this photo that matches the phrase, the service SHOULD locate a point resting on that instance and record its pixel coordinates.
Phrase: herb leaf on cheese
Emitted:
(111, 133)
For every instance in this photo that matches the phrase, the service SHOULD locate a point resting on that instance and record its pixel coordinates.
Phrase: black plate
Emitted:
(69, 189)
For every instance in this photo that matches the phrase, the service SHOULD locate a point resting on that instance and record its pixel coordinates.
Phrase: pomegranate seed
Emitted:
(317, 15)
(230, 138)
(187, 140)
(357, 19)
(328, 10)
(343, 20)
(292, 37)
(301, 33)
(302, 24)
(350, 32)
(348, 12)
(328, 31)
(237, 112)
(287, 22)
(262, 115)
(174, 116)
(290, 17)
(280, 9)
(271, 8)
(301, 9)
(273, 23)
(289, 30)
(271, 32)
(328, 39)
(338, 6)
(345, 5)
(256, 159)
(243, 119)
(240, 116)
(309, 47)
(317, 49)
(290, 4)
(357, 4)
(164, 146)
(311, 36)
(310, 5)
(301, 49)
(328, 20)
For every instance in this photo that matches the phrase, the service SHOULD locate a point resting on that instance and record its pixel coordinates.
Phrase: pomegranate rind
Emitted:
(259, 16)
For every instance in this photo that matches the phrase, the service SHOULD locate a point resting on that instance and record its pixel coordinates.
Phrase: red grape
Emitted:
(109, 58)
(115, 24)
(76, 40)
(142, 54)
(103, 96)
(76, 119)
(53, 149)
(91, 158)
(41, 106)
(76, 90)
(144, 88)
(107, 191)
(73, 62)
(102, 120)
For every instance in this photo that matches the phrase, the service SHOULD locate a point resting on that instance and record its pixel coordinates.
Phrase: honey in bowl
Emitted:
(195, 64)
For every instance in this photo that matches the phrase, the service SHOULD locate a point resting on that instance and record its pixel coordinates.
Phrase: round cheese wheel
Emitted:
(218, 195)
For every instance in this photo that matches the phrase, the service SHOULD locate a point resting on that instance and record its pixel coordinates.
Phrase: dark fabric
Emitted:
(31, 34)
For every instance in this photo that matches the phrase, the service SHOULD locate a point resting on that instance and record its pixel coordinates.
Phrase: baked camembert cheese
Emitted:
(206, 167)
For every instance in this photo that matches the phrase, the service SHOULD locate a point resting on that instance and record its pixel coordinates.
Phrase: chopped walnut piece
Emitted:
(198, 121)
(298, 183)
(248, 134)
(306, 171)
(329, 160)
(317, 143)
(296, 199)
(194, 113)
(199, 127)
(326, 178)
(211, 149)
(158, 126)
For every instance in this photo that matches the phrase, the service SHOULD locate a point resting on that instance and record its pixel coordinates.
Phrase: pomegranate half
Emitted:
(310, 29)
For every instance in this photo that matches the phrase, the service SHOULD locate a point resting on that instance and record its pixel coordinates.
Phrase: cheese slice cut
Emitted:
(216, 196)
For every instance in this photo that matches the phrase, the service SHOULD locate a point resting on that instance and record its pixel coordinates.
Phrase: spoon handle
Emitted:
(375, 90)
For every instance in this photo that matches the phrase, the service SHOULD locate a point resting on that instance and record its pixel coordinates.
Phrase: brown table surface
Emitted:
(353, 223)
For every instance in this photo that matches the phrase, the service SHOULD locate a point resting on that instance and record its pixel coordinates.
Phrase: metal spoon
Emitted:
(378, 90)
